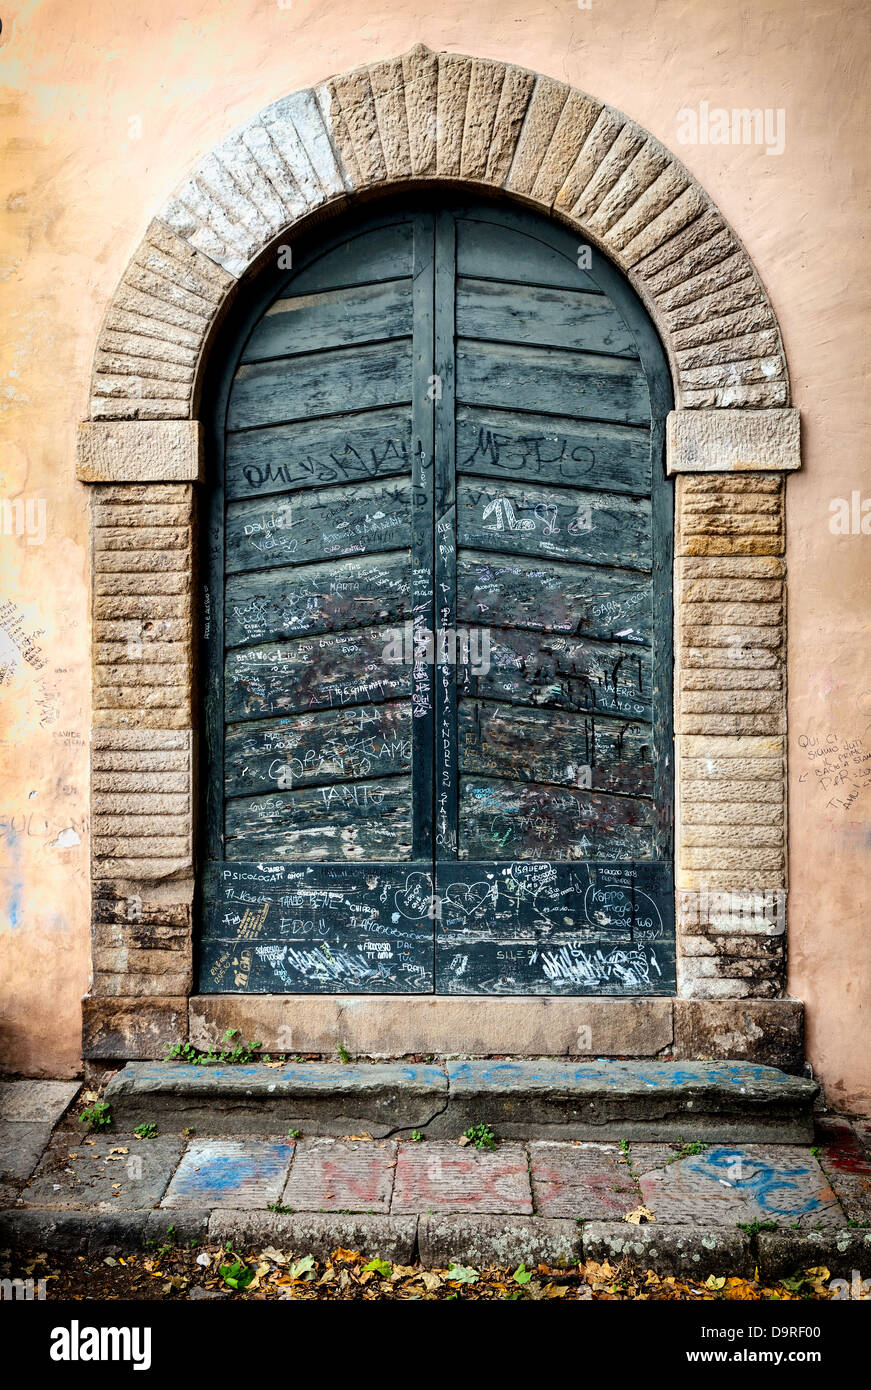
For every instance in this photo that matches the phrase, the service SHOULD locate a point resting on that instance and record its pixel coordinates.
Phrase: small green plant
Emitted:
(624, 1148)
(522, 1275)
(146, 1131)
(231, 1053)
(344, 1054)
(236, 1275)
(754, 1227)
(815, 1153)
(96, 1116)
(168, 1243)
(686, 1151)
(481, 1136)
(294, 1133)
(281, 1209)
(379, 1267)
(416, 1136)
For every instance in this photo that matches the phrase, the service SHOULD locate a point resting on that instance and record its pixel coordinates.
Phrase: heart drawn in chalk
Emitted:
(466, 898)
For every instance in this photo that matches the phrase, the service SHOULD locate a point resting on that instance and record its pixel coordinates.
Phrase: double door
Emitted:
(439, 637)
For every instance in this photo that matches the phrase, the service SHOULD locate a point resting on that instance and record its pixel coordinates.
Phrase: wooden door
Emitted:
(441, 422)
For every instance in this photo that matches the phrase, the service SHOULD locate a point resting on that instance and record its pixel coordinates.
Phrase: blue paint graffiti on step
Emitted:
(763, 1182)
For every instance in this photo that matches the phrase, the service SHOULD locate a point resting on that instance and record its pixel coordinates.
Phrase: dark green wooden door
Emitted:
(439, 642)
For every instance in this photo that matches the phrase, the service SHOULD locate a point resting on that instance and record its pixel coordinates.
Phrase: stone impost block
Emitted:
(725, 441)
(140, 451)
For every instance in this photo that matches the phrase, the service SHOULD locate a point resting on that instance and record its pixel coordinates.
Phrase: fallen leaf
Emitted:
(463, 1274)
(302, 1269)
(640, 1216)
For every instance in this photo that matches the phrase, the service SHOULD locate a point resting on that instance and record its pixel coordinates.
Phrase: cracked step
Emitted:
(256, 1098)
(716, 1102)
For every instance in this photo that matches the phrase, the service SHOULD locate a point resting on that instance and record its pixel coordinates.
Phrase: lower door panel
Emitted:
(343, 928)
(563, 928)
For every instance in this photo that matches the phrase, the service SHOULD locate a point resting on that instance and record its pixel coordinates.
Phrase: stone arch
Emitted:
(431, 116)
(411, 122)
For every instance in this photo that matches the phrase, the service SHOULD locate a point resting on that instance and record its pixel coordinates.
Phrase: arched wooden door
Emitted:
(439, 629)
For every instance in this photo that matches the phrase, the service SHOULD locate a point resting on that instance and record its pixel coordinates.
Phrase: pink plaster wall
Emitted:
(79, 189)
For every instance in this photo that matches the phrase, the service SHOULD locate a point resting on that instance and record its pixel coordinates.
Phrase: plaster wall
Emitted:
(105, 107)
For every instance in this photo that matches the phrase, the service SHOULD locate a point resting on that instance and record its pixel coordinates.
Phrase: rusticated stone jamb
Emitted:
(730, 742)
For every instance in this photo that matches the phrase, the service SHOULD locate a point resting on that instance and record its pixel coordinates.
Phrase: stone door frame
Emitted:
(409, 123)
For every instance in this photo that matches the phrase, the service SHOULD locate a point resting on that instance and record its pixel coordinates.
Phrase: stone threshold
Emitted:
(769, 1032)
(435, 1241)
(521, 1099)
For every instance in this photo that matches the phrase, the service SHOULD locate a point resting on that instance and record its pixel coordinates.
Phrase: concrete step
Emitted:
(716, 1102)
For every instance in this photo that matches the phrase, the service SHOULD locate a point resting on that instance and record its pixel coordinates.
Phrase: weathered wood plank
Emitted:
(548, 380)
(380, 253)
(332, 318)
(551, 597)
(282, 458)
(273, 928)
(324, 383)
(271, 604)
(599, 527)
(549, 927)
(554, 672)
(327, 672)
(331, 746)
(530, 820)
(546, 449)
(584, 750)
(488, 249)
(506, 312)
(345, 820)
(356, 519)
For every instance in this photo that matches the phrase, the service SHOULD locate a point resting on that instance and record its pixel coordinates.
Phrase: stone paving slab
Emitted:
(439, 1177)
(583, 1181)
(21, 1147)
(243, 1174)
(36, 1102)
(122, 1172)
(728, 1185)
(847, 1165)
(331, 1175)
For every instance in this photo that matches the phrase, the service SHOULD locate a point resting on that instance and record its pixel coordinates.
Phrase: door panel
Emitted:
(437, 421)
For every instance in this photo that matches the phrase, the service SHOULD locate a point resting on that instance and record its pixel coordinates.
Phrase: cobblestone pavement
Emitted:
(813, 1189)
